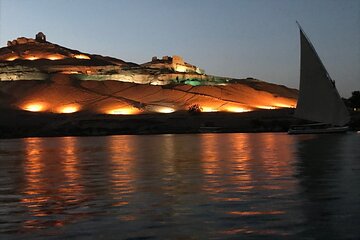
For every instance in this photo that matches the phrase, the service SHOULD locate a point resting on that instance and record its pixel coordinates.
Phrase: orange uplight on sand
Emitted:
(236, 109)
(124, 111)
(267, 107)
(209, 109)
(34, 107)
(81, 56)
(69, 109)
(55, 57)
(165, 110)
(12, 58)
(31, 58)
(282, 105)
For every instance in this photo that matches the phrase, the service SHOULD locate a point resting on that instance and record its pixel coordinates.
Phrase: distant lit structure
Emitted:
(174, 63)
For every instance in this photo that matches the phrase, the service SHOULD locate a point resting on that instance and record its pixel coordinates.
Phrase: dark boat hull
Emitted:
(317, 129)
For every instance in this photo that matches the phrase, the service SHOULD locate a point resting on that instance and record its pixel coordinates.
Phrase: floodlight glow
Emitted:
(209, 109)
(69, 109)
(31, 58)
(81, 56)
(55, 57)
(11, 58)
(34, 107)
(236, 109)
(123, 111)
(266, 107)
(165, 110)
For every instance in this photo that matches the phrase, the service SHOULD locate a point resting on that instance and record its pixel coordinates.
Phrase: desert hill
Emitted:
(41, 77)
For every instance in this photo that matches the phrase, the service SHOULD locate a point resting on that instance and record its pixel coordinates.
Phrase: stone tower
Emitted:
(40, 37)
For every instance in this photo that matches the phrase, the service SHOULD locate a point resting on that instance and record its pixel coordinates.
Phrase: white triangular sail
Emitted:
(318, 100)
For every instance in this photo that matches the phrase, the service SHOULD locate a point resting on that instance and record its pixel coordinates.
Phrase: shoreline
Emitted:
(19, 124)
(23, 124)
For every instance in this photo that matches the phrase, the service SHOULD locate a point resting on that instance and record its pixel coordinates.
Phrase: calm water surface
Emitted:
(202, 186)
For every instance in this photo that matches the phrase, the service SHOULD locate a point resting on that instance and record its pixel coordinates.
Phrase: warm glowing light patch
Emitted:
(180, 68)
(282, 105)
(11, 58)
(81, 56)
(70, 72)
(209, 109)
(236, 109)
(31, 58)
(165, 110)
(55, 57)
(34, 107)
(267, 107)
(69, 109)
(124, 111)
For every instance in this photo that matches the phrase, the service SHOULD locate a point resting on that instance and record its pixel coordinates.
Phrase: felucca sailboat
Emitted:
(319, 100)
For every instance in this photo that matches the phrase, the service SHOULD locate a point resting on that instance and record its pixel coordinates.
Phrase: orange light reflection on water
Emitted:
(237, 165)
(121, 154)
(255, 213)
(254, 159)
(44, 195)
(217, 149)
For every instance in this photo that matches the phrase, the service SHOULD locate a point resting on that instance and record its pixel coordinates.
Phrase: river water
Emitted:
(191, 186)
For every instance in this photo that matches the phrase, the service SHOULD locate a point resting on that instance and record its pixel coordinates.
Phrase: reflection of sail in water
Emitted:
(325, 172)
(44, 194)
(315, 153)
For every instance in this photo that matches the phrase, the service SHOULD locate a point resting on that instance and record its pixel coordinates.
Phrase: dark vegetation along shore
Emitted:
(17, 123)
(27, 124)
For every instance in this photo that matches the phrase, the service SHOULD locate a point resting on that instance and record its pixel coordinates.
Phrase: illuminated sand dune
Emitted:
(112, 97)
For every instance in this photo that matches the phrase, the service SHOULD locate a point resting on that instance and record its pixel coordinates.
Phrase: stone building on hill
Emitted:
(40, 37)
(174, 63)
